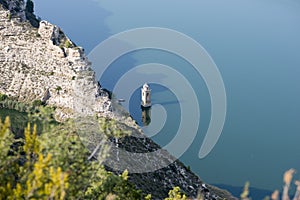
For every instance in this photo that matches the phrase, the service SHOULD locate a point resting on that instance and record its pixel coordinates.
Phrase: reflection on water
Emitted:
(146, 116)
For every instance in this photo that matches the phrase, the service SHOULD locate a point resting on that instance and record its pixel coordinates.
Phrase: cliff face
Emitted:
(15, 7)
(42, 63)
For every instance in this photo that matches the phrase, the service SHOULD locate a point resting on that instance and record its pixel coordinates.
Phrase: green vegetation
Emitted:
(9, 16)
(3, 97)
(55, 165)
(52, 163)
(11, 103)
(18, 120)
(36, 103)
(68, 44)
(58, 89)
(176, 194)
(49, 161)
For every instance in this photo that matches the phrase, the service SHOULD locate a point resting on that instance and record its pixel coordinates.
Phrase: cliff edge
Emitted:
(41, 63)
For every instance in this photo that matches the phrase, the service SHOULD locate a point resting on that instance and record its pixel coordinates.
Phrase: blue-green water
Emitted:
(256, 46)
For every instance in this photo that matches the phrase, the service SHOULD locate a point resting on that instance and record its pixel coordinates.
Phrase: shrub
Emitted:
(176, 194)
(3, 97)
(37, 103)
(68, 44)
(55, 165)
(58, 89)
(61, 45)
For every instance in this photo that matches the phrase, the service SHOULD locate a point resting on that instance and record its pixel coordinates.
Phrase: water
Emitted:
(256, 47)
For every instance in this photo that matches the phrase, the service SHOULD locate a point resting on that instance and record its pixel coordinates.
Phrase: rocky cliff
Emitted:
(43, 64)
(39, 62)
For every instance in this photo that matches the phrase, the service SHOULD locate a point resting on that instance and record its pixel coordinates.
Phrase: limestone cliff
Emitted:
(43, 64)
(39, 62)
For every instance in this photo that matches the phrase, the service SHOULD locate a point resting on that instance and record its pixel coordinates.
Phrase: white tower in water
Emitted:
(146, 96)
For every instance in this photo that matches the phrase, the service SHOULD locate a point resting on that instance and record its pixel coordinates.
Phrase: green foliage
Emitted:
(55, 165)
(3, 97)
(36, 103)
(6, 140)
(176, 194)
(43, 115)
(58, 88)
(14, 104)
(18, 120)
(36, 178)
(148, 197)
(9, 16)
(124, 175)
(61, 45)
(189, 168)
(68, 44)
(109, 185)
(111, 128)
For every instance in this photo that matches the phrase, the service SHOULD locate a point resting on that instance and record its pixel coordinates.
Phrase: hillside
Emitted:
(38, 62)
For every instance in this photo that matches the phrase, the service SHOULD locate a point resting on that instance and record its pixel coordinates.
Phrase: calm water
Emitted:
(256, 46)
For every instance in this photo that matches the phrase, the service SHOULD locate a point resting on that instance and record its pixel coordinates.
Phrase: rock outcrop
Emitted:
(39, 62)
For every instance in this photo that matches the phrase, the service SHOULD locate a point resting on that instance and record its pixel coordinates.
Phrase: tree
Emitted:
(34, 178)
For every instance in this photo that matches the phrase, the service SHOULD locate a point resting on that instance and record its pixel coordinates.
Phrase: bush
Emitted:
(68, 44)
(55, 165)
(3, 97)
(37, 103)
(58, 88)
(176, 194)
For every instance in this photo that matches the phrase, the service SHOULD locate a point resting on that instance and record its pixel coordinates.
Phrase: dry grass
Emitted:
(287, 179)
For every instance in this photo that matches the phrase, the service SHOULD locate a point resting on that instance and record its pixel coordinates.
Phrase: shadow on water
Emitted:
(169, 103)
